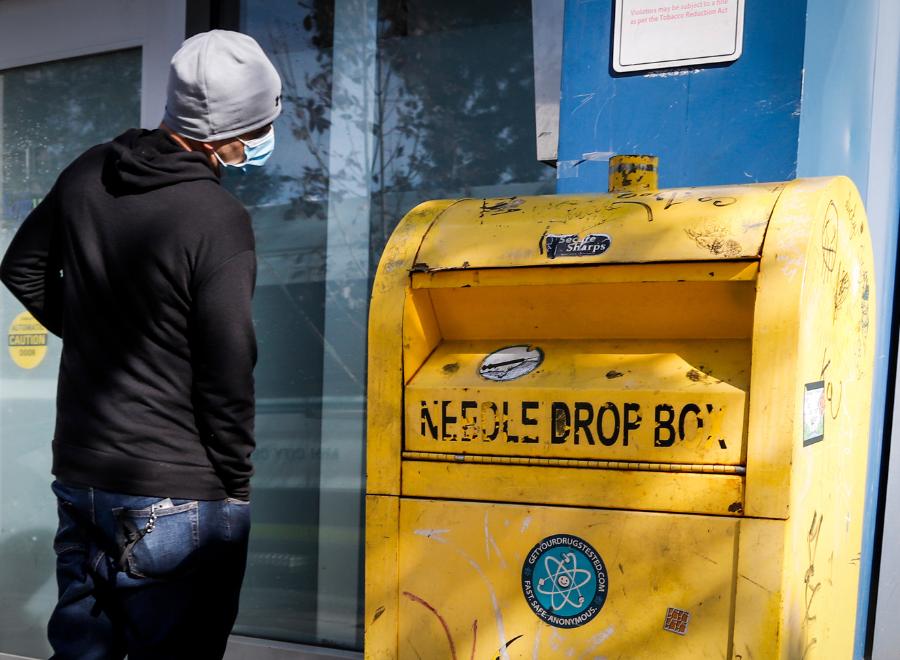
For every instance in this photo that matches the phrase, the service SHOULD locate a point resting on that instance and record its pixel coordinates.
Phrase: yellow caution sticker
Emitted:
(27, 341)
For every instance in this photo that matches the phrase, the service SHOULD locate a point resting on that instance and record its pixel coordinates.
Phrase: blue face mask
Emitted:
(256, 151)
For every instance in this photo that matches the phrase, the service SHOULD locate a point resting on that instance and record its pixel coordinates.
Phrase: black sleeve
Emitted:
(31, 267)
(223, 349)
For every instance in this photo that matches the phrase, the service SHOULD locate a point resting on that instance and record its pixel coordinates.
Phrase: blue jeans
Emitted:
(149, 577)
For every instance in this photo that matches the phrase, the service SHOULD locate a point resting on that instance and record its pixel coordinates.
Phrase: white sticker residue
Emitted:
(813, 413)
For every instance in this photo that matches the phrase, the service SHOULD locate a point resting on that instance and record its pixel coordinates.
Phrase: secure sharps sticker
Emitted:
(571, 245)
(814, 413)
(564, 581)
(511, 362)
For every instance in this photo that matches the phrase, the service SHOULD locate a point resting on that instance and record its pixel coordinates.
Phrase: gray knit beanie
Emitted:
(221, 85)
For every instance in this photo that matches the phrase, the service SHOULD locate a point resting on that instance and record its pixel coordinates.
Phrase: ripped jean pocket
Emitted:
(157, 541)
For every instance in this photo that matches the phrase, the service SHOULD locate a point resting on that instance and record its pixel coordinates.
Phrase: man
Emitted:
(145, 267)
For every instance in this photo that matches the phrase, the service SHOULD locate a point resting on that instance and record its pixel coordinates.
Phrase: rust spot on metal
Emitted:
(419, 268)
(736, 507)
(451, 368)
(378, 614)
(612, 373)
(695, 375)
(716, 240)
(560, 423)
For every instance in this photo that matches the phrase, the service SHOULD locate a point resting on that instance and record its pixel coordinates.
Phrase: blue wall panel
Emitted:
(733, 123)
(849, 125)
(835, 138)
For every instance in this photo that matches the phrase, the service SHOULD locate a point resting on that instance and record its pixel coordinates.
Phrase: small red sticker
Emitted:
(677, 621)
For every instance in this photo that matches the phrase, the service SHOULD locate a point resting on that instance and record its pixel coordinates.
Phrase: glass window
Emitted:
(49, 114)
(289, 202)
(385, 105)
(455, 109)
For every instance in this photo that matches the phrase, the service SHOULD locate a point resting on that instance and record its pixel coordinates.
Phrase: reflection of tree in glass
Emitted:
(307, 85)
(456, 78)
(454, 95)
(306, 99)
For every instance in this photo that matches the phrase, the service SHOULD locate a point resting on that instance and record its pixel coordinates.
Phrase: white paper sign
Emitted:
(662, 34)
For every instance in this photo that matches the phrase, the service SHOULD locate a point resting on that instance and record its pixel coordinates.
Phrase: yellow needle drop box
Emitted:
(629, 425)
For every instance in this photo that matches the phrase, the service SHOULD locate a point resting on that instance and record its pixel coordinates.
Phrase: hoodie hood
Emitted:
(141, 160)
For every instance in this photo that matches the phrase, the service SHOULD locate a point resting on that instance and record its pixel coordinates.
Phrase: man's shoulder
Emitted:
(213, 192)
(212, 219)
(212, 205)
(88, 162)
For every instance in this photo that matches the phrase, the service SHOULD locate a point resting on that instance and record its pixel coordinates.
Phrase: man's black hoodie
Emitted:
(145, 266)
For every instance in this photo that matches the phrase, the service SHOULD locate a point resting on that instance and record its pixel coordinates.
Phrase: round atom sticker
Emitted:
(27, 341)
(564, 581)
(511, 362)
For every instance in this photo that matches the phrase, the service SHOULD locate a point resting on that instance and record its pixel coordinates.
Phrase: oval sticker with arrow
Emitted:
(511, 362)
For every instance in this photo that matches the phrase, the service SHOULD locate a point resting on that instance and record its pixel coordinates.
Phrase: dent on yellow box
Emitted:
(622, 425)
